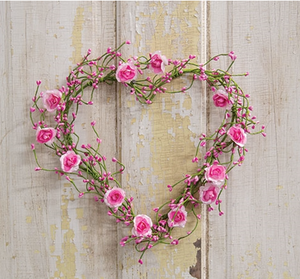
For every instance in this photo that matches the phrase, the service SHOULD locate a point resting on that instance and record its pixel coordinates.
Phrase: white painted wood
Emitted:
(258, 235)
(46, 231)
(158, 141)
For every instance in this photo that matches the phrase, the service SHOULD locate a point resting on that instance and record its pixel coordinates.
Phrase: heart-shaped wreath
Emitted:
(209, 179)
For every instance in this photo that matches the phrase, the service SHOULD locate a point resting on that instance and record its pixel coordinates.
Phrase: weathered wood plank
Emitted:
(47, 232)
(158, 141)
(257, 237)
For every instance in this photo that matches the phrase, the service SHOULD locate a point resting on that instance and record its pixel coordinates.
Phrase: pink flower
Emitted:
(142, 225)
(231, 55)
(158, 62)
(177, 217)
(70, 161)
(208, 193)
(126, 72)
(221, 100)
(238, 135)
(215, 174)
(174, 242)
(51, 99)
(45, 135)
(114, 197)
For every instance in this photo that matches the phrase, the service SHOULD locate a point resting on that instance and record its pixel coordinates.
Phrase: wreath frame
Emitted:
(208, 181)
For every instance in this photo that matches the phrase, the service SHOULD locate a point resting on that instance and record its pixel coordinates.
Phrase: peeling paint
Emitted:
(84, 228)
(170, 123)
(53, 229)
(258, 252)
(85, 246)
(270, 263)
(77, 35)
(287, 275)
(65, 264)
(79, 213)
(28, 219)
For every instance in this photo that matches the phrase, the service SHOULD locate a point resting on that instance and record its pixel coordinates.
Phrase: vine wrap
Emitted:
(204, 185)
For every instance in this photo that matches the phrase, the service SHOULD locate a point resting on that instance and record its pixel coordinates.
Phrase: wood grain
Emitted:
(158, 141)
(48, 232)
(257, 237)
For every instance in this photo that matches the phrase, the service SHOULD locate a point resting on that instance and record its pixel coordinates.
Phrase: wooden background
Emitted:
(47, 232)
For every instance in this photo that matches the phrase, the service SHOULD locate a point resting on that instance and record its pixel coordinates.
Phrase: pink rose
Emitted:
(221, 100)
(51, 99)
(114, 197)
(45, 135)
(142, 225)
(70, 161)
(209, 193)
(177, 217)
(126, 72)
(215, 174)
(158, 62)
(238, 135)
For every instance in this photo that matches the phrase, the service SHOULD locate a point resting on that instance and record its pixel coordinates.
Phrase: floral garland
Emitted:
(205, 185)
